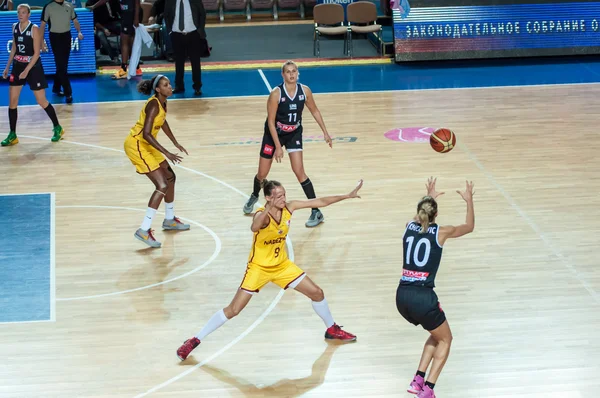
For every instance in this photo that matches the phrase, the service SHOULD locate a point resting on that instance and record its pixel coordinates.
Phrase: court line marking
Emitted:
(265, 80)
(52, 257)
(250, 328)
(212, 258)
(224, 349)
(566, 263)
(26, 194)
(549, 85)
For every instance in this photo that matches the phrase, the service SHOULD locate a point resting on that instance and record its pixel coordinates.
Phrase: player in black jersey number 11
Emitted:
(416, 301)
(283, 128)
(27, 68)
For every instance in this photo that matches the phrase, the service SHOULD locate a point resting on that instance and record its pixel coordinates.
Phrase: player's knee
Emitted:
(172, 177)
(162, 186)
(317, 295)
(232, 311)
(43, 102)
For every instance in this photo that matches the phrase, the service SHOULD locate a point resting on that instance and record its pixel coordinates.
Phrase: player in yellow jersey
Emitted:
(269, 262)
(148, 156)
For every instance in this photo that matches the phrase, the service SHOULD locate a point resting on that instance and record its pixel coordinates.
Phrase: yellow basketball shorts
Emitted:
(283, 275)
(143, 156)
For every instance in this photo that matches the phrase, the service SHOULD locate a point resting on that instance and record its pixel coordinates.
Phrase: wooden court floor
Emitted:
(521, 293)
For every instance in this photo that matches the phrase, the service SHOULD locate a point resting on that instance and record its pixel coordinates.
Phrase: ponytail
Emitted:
(426, 212)
(148, 87)
(423, 220)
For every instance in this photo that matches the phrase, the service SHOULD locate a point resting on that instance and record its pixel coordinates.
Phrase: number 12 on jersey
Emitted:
(419, 262)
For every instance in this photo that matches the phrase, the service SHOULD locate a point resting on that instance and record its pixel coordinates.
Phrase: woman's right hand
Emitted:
(467, 194)
(5, 73)
(278, 154)
(173, 157)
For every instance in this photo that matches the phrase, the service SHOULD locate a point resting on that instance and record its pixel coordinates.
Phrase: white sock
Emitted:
(322, 309)
(148, 219)
(215, 322)
(170, 210)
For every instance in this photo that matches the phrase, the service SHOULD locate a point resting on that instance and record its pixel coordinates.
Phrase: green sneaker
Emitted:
(11, 139)
(58, 133)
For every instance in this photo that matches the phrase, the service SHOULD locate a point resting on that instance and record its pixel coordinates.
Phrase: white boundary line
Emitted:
(553, 249)
(321, 93)
(53, 257)
(264, 78)
(250, 328)
(27, 194)
(212, 258)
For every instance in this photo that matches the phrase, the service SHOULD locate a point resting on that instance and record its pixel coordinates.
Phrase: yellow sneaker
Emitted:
(120, 74)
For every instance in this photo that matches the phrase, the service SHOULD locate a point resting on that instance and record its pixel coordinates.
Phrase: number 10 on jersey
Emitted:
(419, 262)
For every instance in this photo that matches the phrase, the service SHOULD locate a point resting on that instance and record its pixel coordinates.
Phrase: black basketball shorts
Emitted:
(420, 306)
(35, 78)
(127, 27)
(291, 141)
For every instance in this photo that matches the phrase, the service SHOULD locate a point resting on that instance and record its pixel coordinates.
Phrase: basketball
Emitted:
(442, 140)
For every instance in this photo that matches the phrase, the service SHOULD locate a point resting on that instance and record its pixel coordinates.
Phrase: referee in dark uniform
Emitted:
(58, 14)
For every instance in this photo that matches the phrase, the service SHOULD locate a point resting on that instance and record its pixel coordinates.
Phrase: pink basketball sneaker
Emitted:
(416, 386)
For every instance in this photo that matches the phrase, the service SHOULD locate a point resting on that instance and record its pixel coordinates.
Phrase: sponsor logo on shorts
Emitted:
(268, 149)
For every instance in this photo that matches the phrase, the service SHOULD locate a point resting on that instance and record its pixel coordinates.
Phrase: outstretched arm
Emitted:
(324, 201)
(450, 231)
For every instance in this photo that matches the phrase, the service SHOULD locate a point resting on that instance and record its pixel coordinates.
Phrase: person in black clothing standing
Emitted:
(185, 20)
(27, 68)
(416, 301)
(58, 14)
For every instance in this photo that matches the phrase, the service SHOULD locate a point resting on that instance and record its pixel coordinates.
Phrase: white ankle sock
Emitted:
(148, 219)
(322, 309)
(215, 322)
(170, 210)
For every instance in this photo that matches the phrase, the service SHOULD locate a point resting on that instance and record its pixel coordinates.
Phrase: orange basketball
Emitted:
(442, 140)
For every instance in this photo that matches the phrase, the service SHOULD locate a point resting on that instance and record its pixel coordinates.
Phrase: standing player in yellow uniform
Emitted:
(148, 156)
(268, 262)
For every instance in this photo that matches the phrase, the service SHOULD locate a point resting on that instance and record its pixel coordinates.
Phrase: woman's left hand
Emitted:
(182, 149)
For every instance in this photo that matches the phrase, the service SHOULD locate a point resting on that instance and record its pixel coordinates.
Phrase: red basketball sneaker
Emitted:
(336, 332)
(187, 347)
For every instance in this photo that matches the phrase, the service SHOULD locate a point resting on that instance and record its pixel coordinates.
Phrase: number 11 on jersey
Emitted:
(293, 117)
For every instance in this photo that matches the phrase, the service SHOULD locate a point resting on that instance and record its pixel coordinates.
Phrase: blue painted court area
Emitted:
(339, 79)
(26, 286)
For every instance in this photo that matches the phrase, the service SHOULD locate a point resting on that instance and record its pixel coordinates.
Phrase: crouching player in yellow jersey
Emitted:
(148, 156)
(268, 262)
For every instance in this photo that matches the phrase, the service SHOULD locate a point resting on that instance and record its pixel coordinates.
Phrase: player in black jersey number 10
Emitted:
(283, 128)
(416, 301)
(27, 68)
